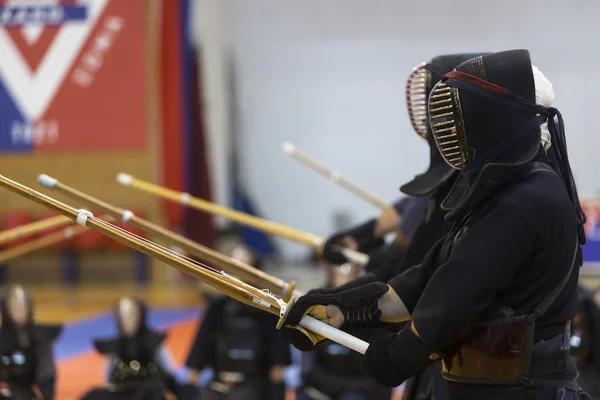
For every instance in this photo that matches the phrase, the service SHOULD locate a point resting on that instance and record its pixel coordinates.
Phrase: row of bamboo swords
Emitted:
(233, 278)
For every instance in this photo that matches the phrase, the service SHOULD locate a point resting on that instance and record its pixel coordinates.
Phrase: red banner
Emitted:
(72, 75)
(172, 103)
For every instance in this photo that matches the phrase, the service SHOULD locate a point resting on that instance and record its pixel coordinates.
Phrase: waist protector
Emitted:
(498, 353)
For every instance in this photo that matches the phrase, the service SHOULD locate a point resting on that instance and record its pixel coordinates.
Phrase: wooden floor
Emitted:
(56, 304)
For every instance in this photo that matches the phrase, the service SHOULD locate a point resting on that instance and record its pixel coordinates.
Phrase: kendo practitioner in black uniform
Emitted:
(422, 221)
(495, 297)
(333, 371)
(138, 365)
(419, 220)
(242, 347)
(27, 365)
(402, 218)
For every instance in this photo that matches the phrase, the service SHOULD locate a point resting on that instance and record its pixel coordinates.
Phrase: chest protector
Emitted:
(499, 349)
(338, 360)
(240, 347)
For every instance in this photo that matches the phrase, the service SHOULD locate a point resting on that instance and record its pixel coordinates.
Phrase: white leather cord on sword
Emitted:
(241, 218)
(334, 176)
(221, 281)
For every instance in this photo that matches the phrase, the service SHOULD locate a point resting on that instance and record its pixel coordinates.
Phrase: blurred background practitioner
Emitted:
(241, 346)
(198, 96)
(28, 367)
(331, 370)
(138, 364)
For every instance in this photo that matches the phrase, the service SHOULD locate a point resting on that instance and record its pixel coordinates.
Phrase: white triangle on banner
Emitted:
(33, 91)
(32, 32)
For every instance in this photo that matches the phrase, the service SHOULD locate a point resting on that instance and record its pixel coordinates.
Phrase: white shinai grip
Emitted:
(124, 179)
(47, 181)
(127, 215)
(288, 148)
(83, 216)
(354, 256)
(331, 333)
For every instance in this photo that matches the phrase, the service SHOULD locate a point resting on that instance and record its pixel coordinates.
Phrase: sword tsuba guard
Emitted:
(285, 311)
(289, 290)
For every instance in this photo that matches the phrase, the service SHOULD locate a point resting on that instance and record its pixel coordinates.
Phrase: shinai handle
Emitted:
(334, 334)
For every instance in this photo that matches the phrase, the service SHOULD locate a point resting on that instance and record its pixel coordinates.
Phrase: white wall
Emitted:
(328, 75)
(210, 31)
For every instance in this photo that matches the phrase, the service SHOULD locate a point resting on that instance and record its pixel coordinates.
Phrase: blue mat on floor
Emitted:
(77, 337)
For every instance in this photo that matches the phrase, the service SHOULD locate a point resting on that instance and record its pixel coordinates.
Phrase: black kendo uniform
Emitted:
(241, 345)
(333, 371)
(423, 222)
(494, 298)
(135, 370)
(585, 342)
(413, 210)
(27, 365)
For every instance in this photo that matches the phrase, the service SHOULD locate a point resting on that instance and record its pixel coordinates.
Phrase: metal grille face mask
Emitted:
(445, 119)
(416, 98)
(18, 306)
(129, 316)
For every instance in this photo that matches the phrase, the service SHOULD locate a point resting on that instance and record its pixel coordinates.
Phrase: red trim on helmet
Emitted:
(473, 80)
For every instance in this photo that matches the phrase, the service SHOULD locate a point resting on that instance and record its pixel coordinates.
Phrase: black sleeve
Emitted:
(47, 387)
(201, 352)
(365, 238)
(46, 370)
(385, 261)
(363, 279)
(483, 262)
(276, 391)
(402, 204)
(410, 284)
(363, 234)
(424, 239)
(412, 211)
(278, 350)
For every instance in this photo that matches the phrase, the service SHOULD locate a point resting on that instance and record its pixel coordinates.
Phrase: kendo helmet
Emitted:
(493, 113)
(17, 307)
(130, 315)
(469, 127)
(418, 87)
